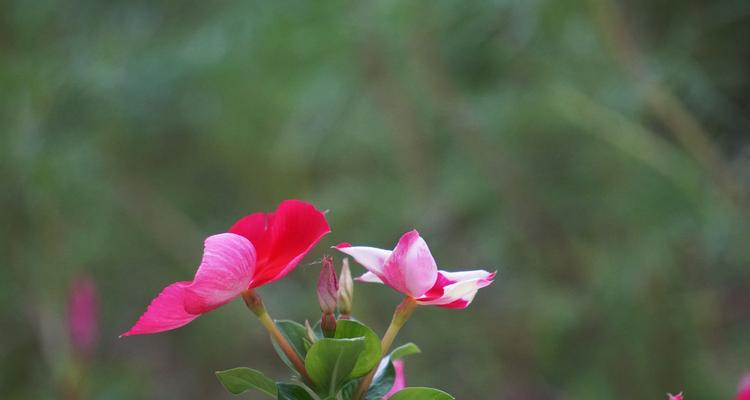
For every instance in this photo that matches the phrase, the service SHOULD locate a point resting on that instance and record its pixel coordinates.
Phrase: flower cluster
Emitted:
(339, 357)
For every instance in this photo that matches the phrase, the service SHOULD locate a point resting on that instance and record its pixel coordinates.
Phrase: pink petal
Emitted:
(369, 257)
(458, 288)
(225, 271)
(281, 238)
(674, 396)
(369, 277)
(437, 291)
(410, 269)
(400, 381)
(166, 312)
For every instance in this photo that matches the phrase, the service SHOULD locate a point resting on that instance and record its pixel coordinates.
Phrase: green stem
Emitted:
(400, 316)
(255, 304)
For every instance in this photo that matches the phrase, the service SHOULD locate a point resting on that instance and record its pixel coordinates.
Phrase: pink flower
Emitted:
(677, 396)
(82, 315)
(400, 381)
(257, 250)
(411, 270)
(743, 392)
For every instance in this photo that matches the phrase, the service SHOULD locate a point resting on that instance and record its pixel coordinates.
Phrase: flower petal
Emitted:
(254, 228)
(369, 277)
(400, 380)
(369, 257)
(166, 312)
(281, 238)
(410, 269)
(225, 271)
(458, 290)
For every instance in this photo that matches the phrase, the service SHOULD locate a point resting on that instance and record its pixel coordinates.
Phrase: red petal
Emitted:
(460, 303)
(165, 312)
(281, 238)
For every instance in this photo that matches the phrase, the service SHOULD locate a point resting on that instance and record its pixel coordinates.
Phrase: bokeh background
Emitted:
(595, 152)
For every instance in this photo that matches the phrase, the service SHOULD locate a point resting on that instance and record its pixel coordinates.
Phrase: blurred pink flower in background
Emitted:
(83, 329)
(400, 381)
(743, 393)
(675, 396)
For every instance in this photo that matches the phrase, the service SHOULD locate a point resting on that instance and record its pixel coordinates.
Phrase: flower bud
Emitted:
(328, 324)
(346, 290)
(310, 333)
(328, 287)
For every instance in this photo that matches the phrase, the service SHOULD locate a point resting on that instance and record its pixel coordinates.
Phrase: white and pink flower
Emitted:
(410, 269)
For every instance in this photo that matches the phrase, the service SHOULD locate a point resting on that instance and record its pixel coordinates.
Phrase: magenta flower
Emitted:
(677, 396)
(743, 393)
(83, 329)
(411, 270)
(257, 250)
(400, 380)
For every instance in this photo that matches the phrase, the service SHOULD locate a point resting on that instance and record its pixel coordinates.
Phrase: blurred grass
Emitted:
(595, 152)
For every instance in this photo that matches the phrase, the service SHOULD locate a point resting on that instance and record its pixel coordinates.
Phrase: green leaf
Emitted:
(347, 391)
(239, 380)
(347, 329)
(295, 334)
(288, 391)
(318, 330)
(421, 393)
(330, 362)
(382, 382)
(405, 350)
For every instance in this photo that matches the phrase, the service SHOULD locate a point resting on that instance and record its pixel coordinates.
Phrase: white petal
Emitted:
(369, 257)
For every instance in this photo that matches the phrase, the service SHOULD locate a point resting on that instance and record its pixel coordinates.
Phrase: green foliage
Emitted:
(239, 380)
(295, 334)
(420, 393)
(333, 364)
(293, 392)
(331, 361)
(404, 350)
(382, 382)
(370, 354)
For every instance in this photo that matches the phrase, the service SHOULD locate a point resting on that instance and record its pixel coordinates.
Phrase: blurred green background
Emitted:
(596, 153)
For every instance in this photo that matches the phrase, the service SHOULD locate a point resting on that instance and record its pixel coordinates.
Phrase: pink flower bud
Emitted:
(328, 324)
(82, 320)
(328, 287)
